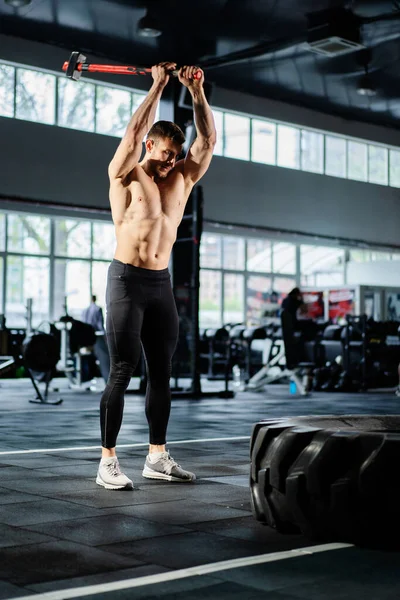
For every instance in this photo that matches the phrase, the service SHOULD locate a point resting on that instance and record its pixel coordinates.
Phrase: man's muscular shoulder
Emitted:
(179, 171)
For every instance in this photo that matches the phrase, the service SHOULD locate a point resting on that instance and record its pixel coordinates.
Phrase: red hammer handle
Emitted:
(117, 69)
(108, 69)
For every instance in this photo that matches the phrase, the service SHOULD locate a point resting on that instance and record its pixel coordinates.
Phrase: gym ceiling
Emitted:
(262, 47)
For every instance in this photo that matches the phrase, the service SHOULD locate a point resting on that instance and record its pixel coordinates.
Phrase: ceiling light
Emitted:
(148, 27)
(366, 87)
(17, 3)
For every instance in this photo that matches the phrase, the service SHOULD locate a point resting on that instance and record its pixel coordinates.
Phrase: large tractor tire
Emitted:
(332, 478)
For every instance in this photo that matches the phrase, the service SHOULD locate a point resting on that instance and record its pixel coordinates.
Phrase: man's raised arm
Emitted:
(130, 148)
(200, 153)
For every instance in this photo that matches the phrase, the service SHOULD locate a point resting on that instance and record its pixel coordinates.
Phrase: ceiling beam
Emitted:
(262, 49)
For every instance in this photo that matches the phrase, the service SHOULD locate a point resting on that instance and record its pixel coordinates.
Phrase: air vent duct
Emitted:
(333, 32)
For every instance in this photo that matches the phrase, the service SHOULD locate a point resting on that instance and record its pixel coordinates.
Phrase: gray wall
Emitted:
(285, 199)
(54, 164)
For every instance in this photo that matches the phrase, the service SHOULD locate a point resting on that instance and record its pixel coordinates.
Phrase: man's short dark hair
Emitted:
(94, 298)
(167, 129)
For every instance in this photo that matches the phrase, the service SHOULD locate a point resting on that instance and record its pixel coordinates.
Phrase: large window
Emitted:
(72, 287)
(231, 269)
(99, 279)
(258, 290)
(35, 96)
(288, 147)
(237, 277)
(7, 75)
(259, 256)
(283, 285)
(394, 168)
(335, 156)
(219, 127)
(263, 147)
(57, 262)
(211, 250)
(27, 277)
(285, 145)
(104, 241)
(321, 266)
(241, 277)
(1, 283)
(28, 234)
(113, 110)
(60, 262)
(233, 252)
(371, 255)
(284, 258)
(233, 298)
(2, 232)
(237, 136)
(312, 151)
(72, 238)
(76, 104)
(378, 165)
(210, 298)
(32, 94)
(357, 161)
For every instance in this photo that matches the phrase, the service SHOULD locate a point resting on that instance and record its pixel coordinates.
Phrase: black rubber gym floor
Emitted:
(62, 536)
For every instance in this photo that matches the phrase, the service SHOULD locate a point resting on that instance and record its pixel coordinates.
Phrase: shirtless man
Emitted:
(148, 200)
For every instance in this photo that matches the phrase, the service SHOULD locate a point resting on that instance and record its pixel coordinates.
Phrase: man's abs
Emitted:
(145, 243)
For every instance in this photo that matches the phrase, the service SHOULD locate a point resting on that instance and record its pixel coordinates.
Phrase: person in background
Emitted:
(93, 315)
(294, 305)
(292, 308)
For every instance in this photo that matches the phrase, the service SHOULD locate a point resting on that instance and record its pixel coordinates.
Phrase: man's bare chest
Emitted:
(154, 199)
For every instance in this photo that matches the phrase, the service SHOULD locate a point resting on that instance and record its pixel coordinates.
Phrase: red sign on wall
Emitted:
(341, 303)
(315, 304)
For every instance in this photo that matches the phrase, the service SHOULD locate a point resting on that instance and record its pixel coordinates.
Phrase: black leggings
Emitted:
(141, 312)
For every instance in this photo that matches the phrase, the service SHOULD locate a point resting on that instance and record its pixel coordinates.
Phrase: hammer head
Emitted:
(72, 68)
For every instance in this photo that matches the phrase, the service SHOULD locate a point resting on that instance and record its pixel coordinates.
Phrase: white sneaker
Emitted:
(111, 477)
(167, 469)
